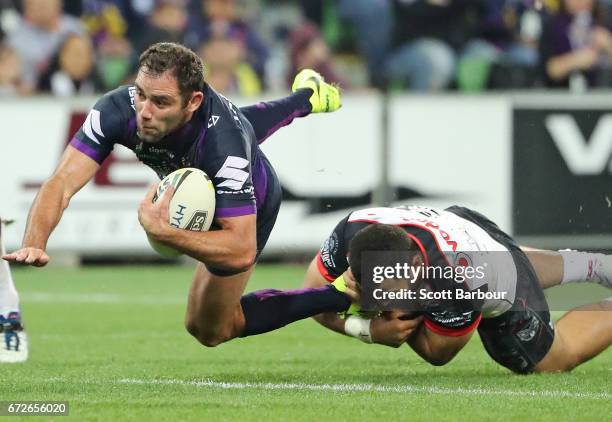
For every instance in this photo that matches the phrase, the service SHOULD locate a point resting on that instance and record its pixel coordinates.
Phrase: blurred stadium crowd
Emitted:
(73, 47)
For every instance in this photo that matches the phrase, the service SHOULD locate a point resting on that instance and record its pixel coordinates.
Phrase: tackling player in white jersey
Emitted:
(514, 324)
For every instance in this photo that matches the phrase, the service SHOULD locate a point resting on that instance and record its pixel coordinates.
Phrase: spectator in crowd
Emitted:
(508, 37)
(135, 13)
(114, 62)
(428, 34)
(221, 17)
(74, 7)
(307, 49)
(226, 68)
(168, 22)
(10, 71)
(103, 20)
(373, 21)
(38, 37)
(72, 69)
(313, 10)
(576, 45)
(108, 29)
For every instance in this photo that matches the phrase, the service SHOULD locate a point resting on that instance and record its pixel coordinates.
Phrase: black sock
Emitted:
(267, 310)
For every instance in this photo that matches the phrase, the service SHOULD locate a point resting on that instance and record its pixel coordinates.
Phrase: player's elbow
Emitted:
(239, 263)
(439, 356)
(439, 360)
(242, 259)
(246, 261)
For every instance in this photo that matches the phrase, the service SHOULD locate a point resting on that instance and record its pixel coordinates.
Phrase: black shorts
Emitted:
(520, 337)
(266, 215)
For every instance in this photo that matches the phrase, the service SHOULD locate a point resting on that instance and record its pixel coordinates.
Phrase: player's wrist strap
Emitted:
(358, 327)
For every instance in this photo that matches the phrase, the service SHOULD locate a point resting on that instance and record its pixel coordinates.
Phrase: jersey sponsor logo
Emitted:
(463, 260)
(447, 238)
(582, 156)
(246, 191)
(232, 171)
(132, 94)
(212, 121)
(328, 250)
(452, 319)
(92, 126)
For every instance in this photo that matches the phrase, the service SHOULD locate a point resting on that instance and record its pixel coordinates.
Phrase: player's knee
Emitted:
(556, 367)
(562, 362)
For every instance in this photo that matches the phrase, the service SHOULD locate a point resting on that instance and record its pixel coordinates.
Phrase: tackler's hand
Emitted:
(392, 329)
(352, 286)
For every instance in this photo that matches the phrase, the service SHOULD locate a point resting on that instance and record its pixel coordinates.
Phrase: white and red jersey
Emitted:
(445, 239)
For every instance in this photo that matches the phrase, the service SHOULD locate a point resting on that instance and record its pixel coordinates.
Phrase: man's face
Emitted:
(159, 106)
(43, 13)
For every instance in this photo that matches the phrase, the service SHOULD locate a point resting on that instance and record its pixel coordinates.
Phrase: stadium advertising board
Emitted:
(563, 176)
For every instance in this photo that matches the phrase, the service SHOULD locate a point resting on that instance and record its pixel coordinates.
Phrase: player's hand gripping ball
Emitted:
(192, 206)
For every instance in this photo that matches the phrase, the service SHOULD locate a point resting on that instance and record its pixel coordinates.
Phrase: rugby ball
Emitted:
(192, 206)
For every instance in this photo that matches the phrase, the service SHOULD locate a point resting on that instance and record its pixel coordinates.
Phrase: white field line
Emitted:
(101, 298)
(358, 388)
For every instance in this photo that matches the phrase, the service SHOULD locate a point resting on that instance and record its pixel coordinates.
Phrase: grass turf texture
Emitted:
(111, 341)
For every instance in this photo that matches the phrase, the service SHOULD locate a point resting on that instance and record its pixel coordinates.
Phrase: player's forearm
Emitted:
(221, 249)
(331, 321)
(45, 214)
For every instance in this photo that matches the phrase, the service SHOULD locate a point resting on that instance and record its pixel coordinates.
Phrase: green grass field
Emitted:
(110, 340)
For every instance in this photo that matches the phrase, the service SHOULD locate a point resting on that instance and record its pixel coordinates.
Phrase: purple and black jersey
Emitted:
(219, 140)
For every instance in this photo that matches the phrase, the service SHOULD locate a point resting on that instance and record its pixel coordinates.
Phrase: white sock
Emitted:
(579, 266)
(9, 298)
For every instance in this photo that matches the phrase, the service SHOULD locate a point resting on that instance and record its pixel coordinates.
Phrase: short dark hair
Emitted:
(378, 238)
(185, 65)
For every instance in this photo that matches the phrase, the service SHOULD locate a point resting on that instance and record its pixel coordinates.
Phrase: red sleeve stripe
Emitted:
(452, 332)
(323, 270)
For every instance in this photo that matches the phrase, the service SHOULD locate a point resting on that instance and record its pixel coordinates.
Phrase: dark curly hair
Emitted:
(185, 65)
(378, 238)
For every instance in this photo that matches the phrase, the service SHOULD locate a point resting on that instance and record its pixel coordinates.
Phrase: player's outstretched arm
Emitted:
(388, 330)
(73, 172)
(232, 248)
